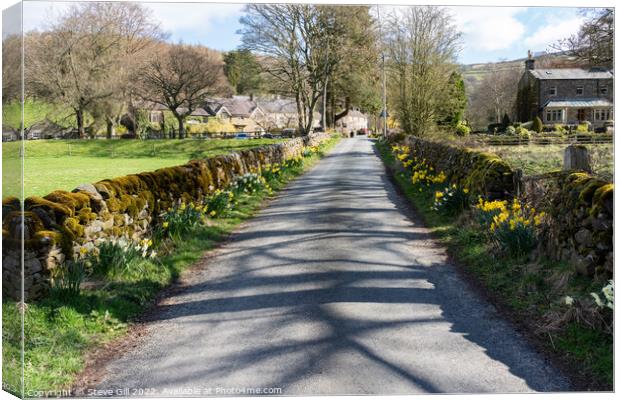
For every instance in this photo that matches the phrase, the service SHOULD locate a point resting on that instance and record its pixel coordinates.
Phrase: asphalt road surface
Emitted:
(331, 289)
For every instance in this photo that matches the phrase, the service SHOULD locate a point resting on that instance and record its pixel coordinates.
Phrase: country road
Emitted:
(331, 289)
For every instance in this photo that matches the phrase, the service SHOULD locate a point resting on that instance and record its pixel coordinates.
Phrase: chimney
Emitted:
(529, 63)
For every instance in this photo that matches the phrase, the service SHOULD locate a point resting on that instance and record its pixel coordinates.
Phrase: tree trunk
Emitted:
(79, 117)
(109, 129)
(181, 127)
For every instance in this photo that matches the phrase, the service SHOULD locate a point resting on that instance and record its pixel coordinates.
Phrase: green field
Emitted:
(64, 164)
(538, 159)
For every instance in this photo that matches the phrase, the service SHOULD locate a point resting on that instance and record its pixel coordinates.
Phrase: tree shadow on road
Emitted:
(335, 268)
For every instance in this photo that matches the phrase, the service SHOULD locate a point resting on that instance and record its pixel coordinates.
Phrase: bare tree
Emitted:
(11, 68)
(494, 96)
(294, 41)
(422, 43)
(85, 57)
(182, 78)
(594, 43)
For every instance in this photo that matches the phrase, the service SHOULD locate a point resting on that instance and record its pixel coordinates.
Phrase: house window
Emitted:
(553, 91)
(603, 89)
(555, 115)
(155, 116)
(579, 90)
(602, 114)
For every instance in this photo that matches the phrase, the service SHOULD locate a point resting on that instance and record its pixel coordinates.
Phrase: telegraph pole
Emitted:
(384, 113)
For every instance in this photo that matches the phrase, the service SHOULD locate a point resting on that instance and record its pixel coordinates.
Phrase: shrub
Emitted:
(505, 120)
(537, 125)
(197, 129)
(522, 132)
(462, 129)
(494, 128)
(510, 130)
(560, 129)
(451, 200)
(583, 127)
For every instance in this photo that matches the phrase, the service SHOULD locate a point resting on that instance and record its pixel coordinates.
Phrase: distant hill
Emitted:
(474, 73)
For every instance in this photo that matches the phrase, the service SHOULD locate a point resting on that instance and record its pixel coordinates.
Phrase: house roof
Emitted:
(355, 114)
(583, 103)
(571, 73)
(237, 106)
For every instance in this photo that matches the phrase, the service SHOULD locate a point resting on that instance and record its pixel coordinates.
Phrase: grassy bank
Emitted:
(533, 291)
(534, 160)
(64, 164)
(60, 330)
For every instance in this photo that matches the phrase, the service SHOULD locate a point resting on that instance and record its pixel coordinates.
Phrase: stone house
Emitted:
(281, 113)
(353, 121)
(245, 114)
(566, 96)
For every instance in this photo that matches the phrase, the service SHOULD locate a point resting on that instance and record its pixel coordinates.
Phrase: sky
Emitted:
(490, 34)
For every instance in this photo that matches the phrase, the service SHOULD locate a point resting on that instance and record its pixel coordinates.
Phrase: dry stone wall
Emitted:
(581, 227)
(482, 173)
(59, 224)
(580, 205)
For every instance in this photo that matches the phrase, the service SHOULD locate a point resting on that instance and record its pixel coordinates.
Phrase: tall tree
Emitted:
(355, 77)
(295, 40)
(82, 59)
(182, 78)
(594, 43)
(243, 71)
(422, 43)
(451, 110)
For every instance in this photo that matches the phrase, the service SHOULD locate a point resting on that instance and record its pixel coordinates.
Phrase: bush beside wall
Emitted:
(57, 225)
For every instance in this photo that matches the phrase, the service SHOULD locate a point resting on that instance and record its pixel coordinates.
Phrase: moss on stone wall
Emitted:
(482, 173)
(125, 206)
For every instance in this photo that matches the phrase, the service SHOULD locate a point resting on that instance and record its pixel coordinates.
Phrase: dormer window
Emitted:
(579, 90)
(553, 91)
(603, 89)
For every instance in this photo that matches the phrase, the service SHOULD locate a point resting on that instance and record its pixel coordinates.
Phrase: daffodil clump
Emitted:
(452, 200)
(293, 162)
(512, 226)
(271, 172)
(181, 218)
(422, 173)
(401, 152)
(219, 203)
(248, 183)
(310, 150)
(425, 175)
(116, 256)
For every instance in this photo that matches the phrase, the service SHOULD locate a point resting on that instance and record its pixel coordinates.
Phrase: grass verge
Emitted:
(527, 289)
(60, 330)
